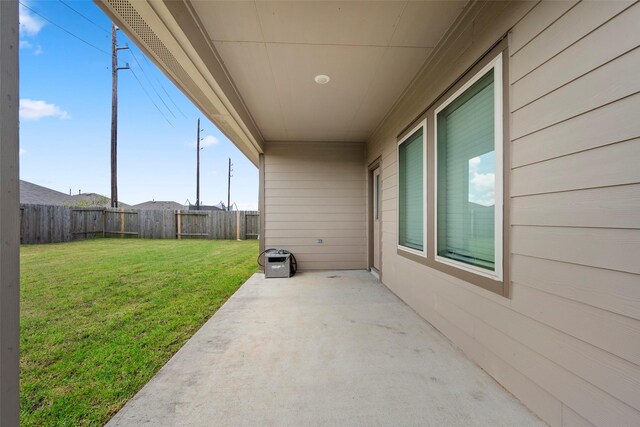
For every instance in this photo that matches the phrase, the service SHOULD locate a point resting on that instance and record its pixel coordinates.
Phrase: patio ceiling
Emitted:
(250, 66)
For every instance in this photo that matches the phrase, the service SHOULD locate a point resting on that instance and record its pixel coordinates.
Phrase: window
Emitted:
(452, 210)
(411, 185)
(468, 149)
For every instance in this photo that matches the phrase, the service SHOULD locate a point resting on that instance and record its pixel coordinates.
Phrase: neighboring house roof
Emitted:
(94, 199)
(31, 193)
(219, 207)
(159, 204)
(34, 194)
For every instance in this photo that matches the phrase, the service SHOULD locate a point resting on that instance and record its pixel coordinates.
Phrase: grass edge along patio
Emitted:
(100, 317)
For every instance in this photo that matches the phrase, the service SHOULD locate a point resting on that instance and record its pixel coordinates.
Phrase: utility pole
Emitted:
(114, 113)
(229, 185)
(198, 168)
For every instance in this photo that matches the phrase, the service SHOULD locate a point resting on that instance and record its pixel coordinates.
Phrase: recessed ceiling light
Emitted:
(322, 79)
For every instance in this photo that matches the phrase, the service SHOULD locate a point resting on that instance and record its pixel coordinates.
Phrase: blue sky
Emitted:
(65, 92)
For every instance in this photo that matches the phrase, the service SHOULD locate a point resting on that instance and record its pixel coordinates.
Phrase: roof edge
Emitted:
(168, 32)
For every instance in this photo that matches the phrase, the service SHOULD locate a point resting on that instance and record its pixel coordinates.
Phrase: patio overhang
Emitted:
(170, 34)
(250, 66)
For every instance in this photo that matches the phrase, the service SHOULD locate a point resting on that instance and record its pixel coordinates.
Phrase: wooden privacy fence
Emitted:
(50, 224)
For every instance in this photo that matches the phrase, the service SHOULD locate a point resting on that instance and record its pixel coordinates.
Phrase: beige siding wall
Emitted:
(567, 343)
(317, 191)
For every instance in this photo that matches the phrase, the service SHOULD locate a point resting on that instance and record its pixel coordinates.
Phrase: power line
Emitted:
(163, 89)
(84, 16)
(65, 30)
(149, 96)
(168, 96)
(150, 84)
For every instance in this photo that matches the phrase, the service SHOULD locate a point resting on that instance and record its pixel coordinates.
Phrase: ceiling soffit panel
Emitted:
(371, 51)
(398, 66)
(345, 23)
(229, 20)
(424, 23)
(242, 60)
(309, 106)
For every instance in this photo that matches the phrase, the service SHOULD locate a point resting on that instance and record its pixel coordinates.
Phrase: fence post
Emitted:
(237, 225)
(122, 223)
(179, 224)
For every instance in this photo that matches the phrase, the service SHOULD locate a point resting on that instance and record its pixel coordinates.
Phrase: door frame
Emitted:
(377, 163)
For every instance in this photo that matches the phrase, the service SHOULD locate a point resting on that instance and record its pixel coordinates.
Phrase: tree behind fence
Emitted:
(50, 224)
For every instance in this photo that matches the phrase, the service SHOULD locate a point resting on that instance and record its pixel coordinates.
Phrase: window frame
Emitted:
(457, 275)
(498, 143)
(423, 253)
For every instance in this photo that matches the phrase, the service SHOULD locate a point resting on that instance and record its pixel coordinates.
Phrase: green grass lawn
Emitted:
(100, 317)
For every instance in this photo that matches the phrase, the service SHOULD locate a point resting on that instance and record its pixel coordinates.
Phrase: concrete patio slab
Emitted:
(322, 348)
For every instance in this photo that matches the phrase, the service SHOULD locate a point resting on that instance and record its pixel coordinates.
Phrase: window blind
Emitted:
(466, 176)
(411, 192)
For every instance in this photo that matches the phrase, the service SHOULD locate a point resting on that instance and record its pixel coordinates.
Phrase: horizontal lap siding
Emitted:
(567, 343)
(317, 191)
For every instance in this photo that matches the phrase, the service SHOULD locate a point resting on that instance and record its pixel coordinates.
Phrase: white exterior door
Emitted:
(377, 213)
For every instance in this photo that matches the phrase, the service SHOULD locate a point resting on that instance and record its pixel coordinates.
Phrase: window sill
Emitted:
(470, 268)
(485, 281)
(411, 251)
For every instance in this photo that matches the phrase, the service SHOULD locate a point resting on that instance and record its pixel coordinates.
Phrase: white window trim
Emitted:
(423, 252)
(496, 65)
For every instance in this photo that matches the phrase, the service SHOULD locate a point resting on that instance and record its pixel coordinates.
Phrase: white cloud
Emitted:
(486, 200)
(30, 25)
(209, 141)
(31, 109)
(37, 49)
(22, 152)
(483, 181)
(474, 163)
(482, 189)
(481, 185)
